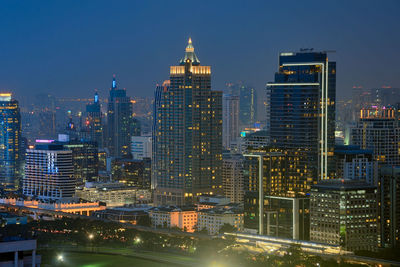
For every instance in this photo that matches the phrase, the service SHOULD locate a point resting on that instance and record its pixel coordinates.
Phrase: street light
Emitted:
(91, 236)
(60, 257)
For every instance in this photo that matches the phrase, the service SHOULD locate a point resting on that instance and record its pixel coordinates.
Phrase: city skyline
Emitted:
(73, 54)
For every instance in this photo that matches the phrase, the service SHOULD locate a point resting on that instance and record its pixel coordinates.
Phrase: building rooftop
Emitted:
(342, 184)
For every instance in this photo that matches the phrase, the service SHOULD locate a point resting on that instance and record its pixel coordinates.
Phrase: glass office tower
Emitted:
(302, 108)
(187, 156)
(94, 122)
(10, 140)
(119, 118)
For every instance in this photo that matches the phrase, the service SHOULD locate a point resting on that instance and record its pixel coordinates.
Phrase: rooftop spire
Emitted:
(114, 83)
(189, 54)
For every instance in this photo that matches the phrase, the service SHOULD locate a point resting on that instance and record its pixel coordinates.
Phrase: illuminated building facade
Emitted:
(379, 129)
(49, 172)
(119, 120)
(141, 147)
(302, 108)
(185, 218)
(230, 122)
(344, 212)
(285, 185)
(85, 160)
(187, 140)
(10, 141)
(94, 121)
(132, 172)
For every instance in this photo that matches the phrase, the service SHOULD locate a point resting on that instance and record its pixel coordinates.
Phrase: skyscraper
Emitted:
(379, 129)
(49, 172)
(248, 104)
(10, 140)
(187, 152)
(230, 122)
(119, 118)
(302, 108)
(93, 121)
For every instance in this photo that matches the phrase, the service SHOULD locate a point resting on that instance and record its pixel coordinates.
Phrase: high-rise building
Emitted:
(379, 129)
(94, 121)
(248, 105)
(354, 163)
(230, 120)
(283, 188)
(132, 172)
(84, 158)
(10, 141)
(389, 206)
(188, 134)
(119, 120)
(343, 212)
(49, 172)
(232, 177)
(302, 108)
(141, 147)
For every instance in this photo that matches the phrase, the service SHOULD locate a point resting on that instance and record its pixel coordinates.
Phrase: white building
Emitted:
(49, 172)
(184, 218)
(213, 219)
(141, 147)
(230, 119)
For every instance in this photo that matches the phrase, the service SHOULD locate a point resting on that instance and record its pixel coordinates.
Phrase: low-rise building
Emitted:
(124, 215)
(75, 206)
(344, 212)
(113, 194)
(213, 219)
(184, 218)
(19, 252)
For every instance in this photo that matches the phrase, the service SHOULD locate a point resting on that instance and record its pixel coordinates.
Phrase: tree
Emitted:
(227, 228)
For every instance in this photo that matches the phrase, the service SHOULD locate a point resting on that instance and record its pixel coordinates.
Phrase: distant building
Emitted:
(230, 120)
(379, 129)
(187, 134)
(353, 163)
(132, 172)
(119, 122)
(10, 142)
(344, 212)
(232, 177)
(141, 147)
(302, 108)
(85, 159)
(389, 206)
(213, 219)
(93, 121)
(256, 140)
(49, 172)
(185, 218)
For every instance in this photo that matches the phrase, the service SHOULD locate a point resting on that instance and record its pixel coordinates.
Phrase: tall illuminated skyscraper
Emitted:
(10, 140)
(187, 156)
(93, 121)
(302, 108)
(119, 118)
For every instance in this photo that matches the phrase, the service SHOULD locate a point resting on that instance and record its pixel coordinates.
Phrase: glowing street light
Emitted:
(91, 236)
(60, 257)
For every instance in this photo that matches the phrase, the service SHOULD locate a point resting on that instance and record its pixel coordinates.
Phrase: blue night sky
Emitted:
(69, 48)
